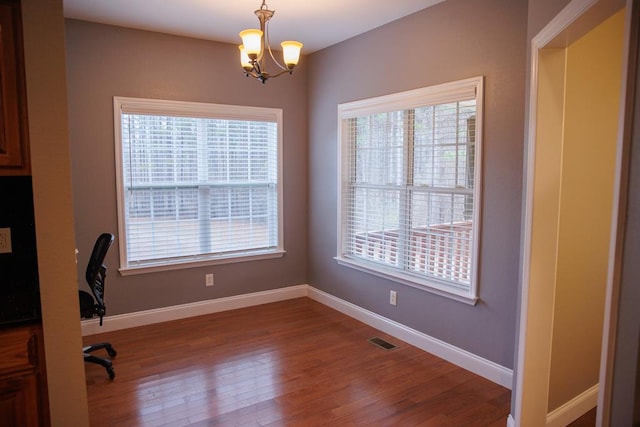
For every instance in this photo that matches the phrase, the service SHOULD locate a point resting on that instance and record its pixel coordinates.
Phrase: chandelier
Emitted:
(252, 49)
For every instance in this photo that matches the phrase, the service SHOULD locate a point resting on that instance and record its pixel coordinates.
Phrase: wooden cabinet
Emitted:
(14, 141)
(23, 392)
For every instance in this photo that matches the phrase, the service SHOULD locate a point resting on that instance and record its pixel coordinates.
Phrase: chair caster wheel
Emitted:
(111, 352)
(111, 373)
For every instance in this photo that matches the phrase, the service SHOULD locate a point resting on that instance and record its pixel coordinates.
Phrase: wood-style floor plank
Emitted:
(587, 420)
(290, 363)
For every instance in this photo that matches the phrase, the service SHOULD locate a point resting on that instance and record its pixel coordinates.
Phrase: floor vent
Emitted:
(382, 343)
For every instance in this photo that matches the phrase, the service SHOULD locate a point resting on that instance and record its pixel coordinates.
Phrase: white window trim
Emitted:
(439, 94)
(191, 109)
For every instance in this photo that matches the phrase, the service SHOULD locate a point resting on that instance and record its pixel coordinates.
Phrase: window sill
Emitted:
(430, 287)
(200, 262)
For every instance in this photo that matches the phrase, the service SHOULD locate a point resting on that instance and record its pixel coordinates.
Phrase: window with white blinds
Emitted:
(197, 183)
(410, 187)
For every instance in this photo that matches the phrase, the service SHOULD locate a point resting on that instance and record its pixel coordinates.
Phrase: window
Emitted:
(197, 183)
(410, 187)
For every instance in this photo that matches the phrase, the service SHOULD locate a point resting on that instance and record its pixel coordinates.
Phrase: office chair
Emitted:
(91, 306)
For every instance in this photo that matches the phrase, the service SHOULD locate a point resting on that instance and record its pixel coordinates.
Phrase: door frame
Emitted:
(625, 136)
(531, 379)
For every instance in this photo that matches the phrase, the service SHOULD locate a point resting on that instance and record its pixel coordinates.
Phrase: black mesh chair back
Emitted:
(97, 271)
(92, 306)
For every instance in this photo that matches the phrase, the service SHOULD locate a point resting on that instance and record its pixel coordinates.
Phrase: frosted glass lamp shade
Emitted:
(244, 59)
(291, 53)
(252, 41)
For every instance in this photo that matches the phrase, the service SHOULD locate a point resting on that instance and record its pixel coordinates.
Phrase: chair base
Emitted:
(106, 363)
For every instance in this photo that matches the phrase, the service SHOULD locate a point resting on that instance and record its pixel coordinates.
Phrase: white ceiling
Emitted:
(317, 24)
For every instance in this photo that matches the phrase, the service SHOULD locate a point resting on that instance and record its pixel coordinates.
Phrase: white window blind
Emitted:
(409, 186)
(197, 182)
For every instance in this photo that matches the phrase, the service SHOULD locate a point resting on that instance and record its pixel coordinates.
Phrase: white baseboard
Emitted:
(469, 361)
(148, 317)
(570, 411)
(573, 409)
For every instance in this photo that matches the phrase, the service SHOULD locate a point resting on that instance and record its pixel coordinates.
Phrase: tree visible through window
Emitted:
(197, 182)
(409, 196)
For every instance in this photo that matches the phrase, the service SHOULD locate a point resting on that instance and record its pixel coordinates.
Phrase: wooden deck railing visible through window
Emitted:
(442, 250)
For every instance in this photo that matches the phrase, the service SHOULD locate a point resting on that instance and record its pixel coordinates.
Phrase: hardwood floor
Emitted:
(587, 420)
(290, 363)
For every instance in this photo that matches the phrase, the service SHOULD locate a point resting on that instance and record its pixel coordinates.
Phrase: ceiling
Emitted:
(317, 24)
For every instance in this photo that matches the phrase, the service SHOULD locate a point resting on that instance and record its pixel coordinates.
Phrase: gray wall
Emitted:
(540, 13)
(455, 39)
(625, 393)
(458, 38)
(105, 61)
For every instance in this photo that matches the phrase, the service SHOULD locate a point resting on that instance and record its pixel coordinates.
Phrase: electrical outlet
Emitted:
(5, 240)
(393, 297)
(208, 279)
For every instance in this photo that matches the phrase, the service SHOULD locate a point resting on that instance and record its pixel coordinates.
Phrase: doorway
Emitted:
(571, 170)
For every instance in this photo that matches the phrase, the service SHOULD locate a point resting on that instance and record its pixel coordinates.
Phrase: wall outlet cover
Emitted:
(208, 279)
(5, 240)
